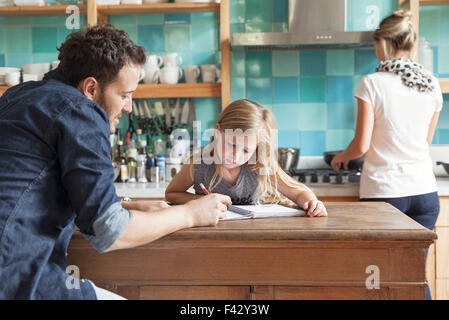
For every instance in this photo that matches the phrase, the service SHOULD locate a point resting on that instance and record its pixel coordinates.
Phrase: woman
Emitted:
(398, 109)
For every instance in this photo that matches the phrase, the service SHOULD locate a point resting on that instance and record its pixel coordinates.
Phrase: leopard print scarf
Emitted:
(412, 73)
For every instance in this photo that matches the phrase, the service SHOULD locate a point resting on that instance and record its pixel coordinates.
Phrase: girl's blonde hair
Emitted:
(398, 32)
(248, 115)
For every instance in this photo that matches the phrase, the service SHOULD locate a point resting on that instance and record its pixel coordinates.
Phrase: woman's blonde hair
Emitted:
(248, 115)
(398, 32)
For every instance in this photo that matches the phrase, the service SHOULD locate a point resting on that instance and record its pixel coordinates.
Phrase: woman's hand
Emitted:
(145, 205)
(338, 161)
(315, 208)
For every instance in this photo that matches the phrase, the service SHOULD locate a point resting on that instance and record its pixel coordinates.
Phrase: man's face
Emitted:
(116, 97)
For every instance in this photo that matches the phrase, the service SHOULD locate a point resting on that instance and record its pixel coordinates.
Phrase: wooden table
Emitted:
(275, 258)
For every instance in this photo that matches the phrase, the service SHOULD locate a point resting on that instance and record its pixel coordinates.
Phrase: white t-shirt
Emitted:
(398, 162)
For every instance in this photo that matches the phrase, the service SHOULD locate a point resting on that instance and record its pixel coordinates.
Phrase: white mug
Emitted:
(192, 73)
(172, 60)
(170, 75)
(152, 75)
(208, 73)
(153, 61)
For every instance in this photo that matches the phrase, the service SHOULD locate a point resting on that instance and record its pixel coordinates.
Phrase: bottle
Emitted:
(148, 165)
(132, 150)
(131, 130)
(159, 146)
(122, 163)
(132, 168)
(141, 166)
(142, 149)
(138, 136)
(160, 163)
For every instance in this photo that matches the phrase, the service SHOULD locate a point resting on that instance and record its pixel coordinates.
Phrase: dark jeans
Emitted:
(423, 208)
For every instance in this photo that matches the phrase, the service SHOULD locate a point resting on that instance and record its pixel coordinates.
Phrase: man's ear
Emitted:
(217, 126)
(90, 88)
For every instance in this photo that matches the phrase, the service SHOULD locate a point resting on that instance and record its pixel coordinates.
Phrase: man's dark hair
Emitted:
(100, 51)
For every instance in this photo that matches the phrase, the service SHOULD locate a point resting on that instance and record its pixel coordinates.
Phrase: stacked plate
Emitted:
(4, 71)
(22, 3)
(6, 3)
(107, 2)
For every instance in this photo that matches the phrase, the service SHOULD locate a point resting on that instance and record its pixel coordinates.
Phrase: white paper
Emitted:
(264, 211)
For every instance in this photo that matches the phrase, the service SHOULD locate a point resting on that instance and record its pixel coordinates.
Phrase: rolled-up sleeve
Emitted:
(108, 227)
(87, 174)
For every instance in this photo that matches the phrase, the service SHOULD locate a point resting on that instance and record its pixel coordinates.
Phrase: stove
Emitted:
(310, 176)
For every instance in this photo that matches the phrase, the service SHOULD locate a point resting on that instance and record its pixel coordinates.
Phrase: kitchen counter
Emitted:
(274, 258)
(153, 190)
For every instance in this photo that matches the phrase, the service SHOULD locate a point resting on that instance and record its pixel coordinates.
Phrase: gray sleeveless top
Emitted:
(245, 190)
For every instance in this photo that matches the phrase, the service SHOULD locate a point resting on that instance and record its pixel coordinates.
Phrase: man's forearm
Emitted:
(146, 227)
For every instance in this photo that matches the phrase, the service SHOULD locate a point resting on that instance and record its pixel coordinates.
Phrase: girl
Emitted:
(398, 109)
(242, 163)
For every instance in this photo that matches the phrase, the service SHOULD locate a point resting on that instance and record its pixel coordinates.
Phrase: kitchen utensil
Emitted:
(176, 111)
(356, 164)
(288, 158)
(167, 113)
(445, 166)
(192, 112)
(185, 112)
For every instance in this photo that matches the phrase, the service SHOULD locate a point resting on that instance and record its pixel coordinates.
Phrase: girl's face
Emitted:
(236, 148)
(380, 54)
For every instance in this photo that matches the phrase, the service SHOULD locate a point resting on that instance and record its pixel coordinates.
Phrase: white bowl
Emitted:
(29, 77)
(36, 68)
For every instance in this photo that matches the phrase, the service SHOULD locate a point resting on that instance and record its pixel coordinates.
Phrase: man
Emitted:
(55, 170)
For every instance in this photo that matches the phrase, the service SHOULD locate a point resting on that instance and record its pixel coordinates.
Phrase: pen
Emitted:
(204, 188)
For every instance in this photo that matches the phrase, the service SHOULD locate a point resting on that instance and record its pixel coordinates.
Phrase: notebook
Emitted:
(238, 212)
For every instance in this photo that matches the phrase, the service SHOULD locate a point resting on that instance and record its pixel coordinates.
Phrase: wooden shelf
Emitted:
(444, 84)
(184, 90)
(158, 8)
(28, 11)
(434, 2)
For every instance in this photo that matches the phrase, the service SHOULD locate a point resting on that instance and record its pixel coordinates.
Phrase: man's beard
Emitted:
(102, 103)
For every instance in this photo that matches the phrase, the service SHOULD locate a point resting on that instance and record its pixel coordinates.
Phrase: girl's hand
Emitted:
(339, 160)
(315, 208)
(145, 205)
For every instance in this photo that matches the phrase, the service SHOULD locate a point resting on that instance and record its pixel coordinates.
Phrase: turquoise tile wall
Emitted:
(309, 91)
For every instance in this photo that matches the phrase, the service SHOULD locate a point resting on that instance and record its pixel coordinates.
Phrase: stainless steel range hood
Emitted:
(311, 23)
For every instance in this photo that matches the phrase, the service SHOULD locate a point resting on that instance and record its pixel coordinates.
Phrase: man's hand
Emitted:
(207, 210)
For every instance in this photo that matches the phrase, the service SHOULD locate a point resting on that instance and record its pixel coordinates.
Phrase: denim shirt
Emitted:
(55, 174)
